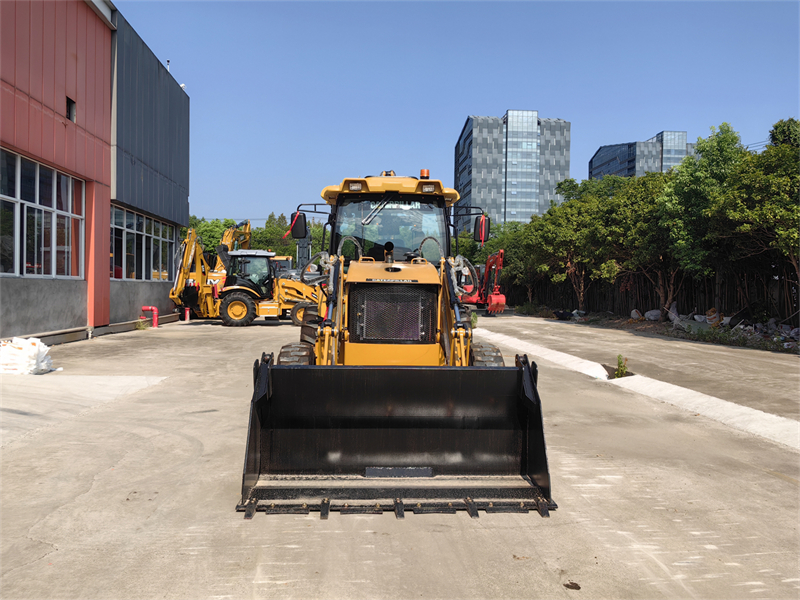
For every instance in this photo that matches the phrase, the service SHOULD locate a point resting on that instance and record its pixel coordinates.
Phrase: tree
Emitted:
(785, 132)
(569, 241)
(763, 215)
(643, 236)
(689, 203)
(271, 236)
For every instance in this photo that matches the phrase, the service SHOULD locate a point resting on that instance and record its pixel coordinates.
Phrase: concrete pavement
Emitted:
(129, 492)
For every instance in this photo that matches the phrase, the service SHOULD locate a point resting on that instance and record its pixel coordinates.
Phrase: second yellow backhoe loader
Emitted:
(387, 402)
(244, 283)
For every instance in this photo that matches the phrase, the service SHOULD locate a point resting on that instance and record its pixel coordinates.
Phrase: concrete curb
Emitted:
(587, 367)
(77, 334)
(743, 418)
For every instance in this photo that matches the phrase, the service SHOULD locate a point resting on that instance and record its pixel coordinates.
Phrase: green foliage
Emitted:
(687, 205)
(622, 367)
(270, 236)
(574, 240)
(473, 319)
(785, 132)
(142, 324)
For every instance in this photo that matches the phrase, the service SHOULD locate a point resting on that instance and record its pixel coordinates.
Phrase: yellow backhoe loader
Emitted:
(387, 403)
(244, 283)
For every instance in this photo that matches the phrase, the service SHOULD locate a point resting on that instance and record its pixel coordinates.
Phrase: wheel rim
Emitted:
(299, 313)
(237, 310)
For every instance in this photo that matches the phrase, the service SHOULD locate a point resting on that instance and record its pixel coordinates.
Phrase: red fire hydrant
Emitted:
(154, 310)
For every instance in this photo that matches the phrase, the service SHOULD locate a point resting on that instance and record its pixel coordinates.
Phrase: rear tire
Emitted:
(296, 355)
(237, 310)
(298, 310)
(486, 355)
(308, 331)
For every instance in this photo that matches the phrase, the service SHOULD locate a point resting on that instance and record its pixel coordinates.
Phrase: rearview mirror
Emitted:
(298, 225)
(481, 230)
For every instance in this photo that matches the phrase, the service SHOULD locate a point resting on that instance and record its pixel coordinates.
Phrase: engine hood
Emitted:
(398, 272)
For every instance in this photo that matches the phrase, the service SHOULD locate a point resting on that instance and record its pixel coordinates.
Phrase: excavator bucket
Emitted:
(370, 439)
(496, 304)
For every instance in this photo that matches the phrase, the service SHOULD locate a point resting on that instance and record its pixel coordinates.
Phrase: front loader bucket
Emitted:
(369, 439)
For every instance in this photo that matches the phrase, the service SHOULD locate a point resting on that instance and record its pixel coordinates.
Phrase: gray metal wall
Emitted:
(29, 306)
(128, 297)
(648, 157)
(484, 179)
(481, 163)
(149, 131)
(554, 145)
(660, 153)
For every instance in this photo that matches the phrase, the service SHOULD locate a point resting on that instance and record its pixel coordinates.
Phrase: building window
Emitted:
(141, 247)
(72, 110)
(41, 219)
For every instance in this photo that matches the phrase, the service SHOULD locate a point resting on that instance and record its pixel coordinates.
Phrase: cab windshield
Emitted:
(403, 220)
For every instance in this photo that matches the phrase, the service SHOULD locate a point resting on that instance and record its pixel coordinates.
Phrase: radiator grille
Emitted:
(385, 313)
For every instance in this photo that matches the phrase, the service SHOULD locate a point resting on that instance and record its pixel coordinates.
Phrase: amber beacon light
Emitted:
(424, 174)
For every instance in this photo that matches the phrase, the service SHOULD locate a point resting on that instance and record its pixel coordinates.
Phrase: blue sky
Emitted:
(287, 98)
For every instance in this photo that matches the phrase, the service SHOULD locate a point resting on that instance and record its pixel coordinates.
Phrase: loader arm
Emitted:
(188, 250)
(191, 288)
(234, 238)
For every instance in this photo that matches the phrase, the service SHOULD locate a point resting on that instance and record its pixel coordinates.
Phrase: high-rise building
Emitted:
(510, 166)
(660, 153)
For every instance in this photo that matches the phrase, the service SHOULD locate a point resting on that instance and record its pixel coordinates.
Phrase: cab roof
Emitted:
(266, 253)
(389, 183)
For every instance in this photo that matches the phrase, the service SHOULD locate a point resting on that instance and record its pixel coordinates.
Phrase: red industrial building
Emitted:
(94, 152)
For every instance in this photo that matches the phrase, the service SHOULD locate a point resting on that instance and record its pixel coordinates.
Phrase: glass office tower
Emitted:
(660, 153)
(510, 166)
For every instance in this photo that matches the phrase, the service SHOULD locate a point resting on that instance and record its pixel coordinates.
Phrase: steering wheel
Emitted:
(355, 243)
(430, 237)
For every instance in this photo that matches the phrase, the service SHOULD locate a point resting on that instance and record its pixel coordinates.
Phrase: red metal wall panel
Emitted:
(98, 217)
(22, 46)
(7, 110)
(60, 64)
(99, 157)
(70, 147)
(105, 72)
(20, 119)
(36, 49)
(71, 51)
(48, 134)
(35, 127)
(80, 85)
(8, 60)
(89, 75)
(48, 53)
(80, 152)
(60, 142)
(51, 51)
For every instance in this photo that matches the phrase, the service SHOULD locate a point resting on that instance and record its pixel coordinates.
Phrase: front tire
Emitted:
(298, 310)
(485, 355)
(237, 310)
(296, 355)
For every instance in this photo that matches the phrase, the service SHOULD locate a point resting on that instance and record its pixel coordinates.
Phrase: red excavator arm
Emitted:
(488, 292)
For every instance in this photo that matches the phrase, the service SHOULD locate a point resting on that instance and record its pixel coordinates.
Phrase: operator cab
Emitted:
(390, 218)
(253, 269)
(395, 227)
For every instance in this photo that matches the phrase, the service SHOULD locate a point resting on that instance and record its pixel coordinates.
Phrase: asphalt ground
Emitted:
(121, 472)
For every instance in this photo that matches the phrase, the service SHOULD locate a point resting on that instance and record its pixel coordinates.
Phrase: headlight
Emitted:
(355, 187)
(429, 188)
